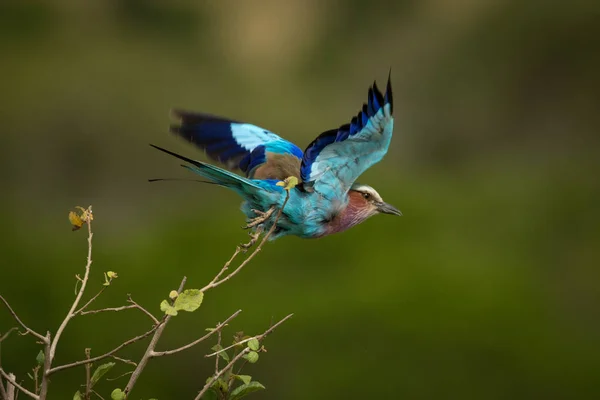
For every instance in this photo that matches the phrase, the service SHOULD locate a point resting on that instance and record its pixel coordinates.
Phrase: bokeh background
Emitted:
(487, 287)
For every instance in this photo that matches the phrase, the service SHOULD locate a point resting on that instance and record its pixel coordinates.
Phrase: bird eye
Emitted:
(367, 196)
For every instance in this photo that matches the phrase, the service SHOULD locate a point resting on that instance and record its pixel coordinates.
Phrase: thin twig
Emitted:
(90, 301)
(236, 358)
(7, 333)
(120, 376)
(88, 374)
(124, 360)
(71, 313)
(151, 346)
(36, 372)
(217, 358)
(97, 394)
(105, 355)
(216, 282)
(238, 250)
(122, 308)
(15, 316)
(221, 372)
(106, 309)
(3, 393)
(13, 382)
(195, 342)
(142, 309)
(231, 347)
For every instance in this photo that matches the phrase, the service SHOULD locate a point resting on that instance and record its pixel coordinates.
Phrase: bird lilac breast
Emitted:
(327, 199)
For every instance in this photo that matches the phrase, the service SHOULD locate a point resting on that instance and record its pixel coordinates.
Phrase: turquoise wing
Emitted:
(336, 158)
(237, 144)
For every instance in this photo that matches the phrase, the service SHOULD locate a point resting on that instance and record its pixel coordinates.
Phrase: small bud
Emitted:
(112, 275)
(173, 294)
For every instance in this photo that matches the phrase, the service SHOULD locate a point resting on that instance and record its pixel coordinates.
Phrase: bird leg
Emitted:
(253, 238)
(263, 216)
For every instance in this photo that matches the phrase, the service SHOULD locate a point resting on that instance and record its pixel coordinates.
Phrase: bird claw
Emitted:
(263, 216)
(253, 239)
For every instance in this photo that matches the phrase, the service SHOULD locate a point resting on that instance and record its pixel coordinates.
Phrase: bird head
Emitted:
(370, 201)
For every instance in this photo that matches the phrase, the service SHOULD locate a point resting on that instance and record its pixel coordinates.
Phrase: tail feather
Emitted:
(215, 174)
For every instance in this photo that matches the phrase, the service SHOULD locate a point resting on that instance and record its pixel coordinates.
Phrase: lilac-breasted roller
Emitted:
(327, 199)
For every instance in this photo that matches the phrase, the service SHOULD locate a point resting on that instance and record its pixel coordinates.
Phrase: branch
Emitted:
(105, 355)
(88, 374)
(84, 281)
(8, 332)
(195, 342)
(27, 330)
(13, 382)
(51, 350)
(142, 309)
(236, 358)
(221, 372)
(90, 301)
(117, 309)
(216, 282)
(150, 349)
(108, 309)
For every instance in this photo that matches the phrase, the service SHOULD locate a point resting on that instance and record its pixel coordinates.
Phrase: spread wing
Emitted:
(335, 159)
(259, 153)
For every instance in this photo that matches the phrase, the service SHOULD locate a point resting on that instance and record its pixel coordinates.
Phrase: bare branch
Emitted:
(217, 358)
(3, 394)
(124, 360)
(122, 308)
(237, 357)
(231, 347)
(13, 382)
(90, 301)
(221, 372)
(238, 250)
(84, 281)
(116, 309)
(216, 281)
(151, 346)
(195, 342)
(8, 332)
(15, 316)
(88, 374)
(105, 355)
(142, 309)
(51, 351)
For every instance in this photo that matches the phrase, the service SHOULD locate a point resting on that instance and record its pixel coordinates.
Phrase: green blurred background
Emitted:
(486, 288)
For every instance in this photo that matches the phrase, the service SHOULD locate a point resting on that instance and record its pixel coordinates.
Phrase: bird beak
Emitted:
(386, 208)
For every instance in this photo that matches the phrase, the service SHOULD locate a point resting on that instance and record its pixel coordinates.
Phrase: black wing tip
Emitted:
(388, 91)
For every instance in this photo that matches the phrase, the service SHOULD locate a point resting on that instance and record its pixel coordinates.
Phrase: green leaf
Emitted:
(244, 378)
(117, 394)
(222, 354)
(253, 344)
(220, 385)
(77, 396)
(211, 394)
(245, 389)
(167, 308)
(100, 371)
(252, 357)
(189, 300)
(40, 358)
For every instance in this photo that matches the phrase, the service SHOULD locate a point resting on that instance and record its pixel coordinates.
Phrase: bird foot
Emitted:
(253, 238)
(262, 217)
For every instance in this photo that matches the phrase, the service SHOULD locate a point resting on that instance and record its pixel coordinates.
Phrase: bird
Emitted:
(327, 199)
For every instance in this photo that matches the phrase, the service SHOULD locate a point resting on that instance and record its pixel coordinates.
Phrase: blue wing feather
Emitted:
(337, 157)
(233, 143)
